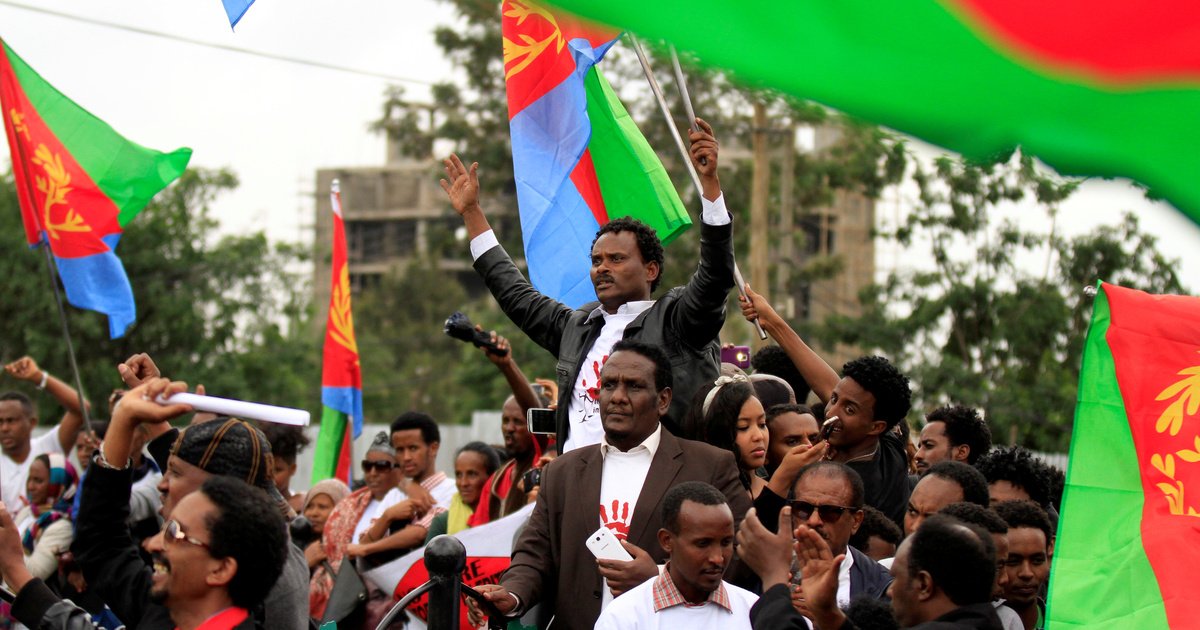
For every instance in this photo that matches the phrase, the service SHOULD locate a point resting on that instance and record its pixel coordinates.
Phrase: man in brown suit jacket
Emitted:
(550, 563)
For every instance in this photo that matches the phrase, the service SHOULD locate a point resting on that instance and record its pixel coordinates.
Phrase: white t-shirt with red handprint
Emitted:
(621, 481)
(584, 411)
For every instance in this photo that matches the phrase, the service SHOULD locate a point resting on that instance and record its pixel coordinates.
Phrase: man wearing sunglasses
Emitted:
(223, 550)
(828, 498)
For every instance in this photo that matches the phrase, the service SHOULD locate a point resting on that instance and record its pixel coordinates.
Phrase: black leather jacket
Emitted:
(685, 322)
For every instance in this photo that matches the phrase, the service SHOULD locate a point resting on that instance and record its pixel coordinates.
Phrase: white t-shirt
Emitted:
(635, 610)
(621, 480)
(374, 509)
(843, 592)
(584, 410)
(14, 475)
(442, 489)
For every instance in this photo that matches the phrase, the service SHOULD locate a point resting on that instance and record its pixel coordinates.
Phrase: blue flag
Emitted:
(235, 9)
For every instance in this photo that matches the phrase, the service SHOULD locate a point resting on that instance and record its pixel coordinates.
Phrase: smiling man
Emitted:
(618, 484)
(627, 266)
(697, 536)
(224, 447)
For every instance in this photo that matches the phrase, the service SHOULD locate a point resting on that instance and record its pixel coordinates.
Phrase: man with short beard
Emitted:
(223, 550)
(222, 447)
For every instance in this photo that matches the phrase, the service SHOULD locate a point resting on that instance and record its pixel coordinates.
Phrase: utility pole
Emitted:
(759, 191)
(787, 173)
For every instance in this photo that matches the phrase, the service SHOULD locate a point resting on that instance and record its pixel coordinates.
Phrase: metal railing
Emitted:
(445, 559)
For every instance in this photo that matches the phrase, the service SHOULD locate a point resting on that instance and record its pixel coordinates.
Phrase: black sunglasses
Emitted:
(802, 510)
(368, 465)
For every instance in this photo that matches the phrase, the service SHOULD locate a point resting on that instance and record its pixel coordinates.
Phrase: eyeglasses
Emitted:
(173, 533)
(802, 510)
(382, 466)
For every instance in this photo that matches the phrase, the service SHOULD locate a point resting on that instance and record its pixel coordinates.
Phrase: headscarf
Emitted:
(382, 443)
(335, 489)
(61, 494)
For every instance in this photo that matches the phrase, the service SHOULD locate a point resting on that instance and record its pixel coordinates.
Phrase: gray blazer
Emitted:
(551, 565)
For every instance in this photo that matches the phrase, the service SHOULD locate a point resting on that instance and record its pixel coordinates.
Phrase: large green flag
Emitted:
(1092, 87)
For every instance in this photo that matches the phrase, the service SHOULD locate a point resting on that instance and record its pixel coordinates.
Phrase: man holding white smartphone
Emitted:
(617, 484)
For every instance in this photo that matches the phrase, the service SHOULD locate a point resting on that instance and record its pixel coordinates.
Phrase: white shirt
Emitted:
(583, 412)
(14, 475)
(374, 509)
(843, 592)
(621, 479)
(442, 489)
(635, 610)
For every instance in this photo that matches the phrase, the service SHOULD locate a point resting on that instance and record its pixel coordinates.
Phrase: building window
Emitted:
(819, 231)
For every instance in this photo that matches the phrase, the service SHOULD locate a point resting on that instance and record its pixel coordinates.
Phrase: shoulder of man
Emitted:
(876, 577)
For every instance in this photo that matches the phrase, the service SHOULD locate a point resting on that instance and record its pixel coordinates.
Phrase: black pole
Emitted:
(62, 317)
(445, 559)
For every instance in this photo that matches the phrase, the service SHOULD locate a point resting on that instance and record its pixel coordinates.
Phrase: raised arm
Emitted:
(701, 312)
(462, 187)
(542, 318)
(521, 388)
(816, 372)
(26, 369)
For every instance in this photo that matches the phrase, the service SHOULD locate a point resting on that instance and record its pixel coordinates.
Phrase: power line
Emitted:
(225, 47)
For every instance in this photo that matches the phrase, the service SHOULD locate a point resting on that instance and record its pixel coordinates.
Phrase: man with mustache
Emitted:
(224, 447)
(627, 265)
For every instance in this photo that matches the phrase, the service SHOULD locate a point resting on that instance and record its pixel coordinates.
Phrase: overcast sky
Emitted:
(274, 123)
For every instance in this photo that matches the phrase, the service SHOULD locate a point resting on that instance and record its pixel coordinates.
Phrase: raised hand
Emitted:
(768, 555)
(137, 369)
(704, 157)
(140, 406)
(756, 307)
(819, 575)
(461, 184)
(25, 369)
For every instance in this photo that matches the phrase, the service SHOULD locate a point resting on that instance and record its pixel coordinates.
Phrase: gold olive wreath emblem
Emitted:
(340, 319)
(55, 186)
(1184, 395)
(528, 49)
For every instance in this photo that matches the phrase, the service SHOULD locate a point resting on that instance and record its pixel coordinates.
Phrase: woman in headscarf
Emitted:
(318, 504)
(353, 515)
(46, 522)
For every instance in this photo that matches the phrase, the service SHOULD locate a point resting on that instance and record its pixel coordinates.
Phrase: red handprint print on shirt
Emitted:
(593, 392)
(618, 521)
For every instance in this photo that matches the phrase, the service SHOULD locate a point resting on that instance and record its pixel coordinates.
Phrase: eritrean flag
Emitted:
(79, 183)
(1092, 87)
(577, 155)
(1129, 538)
(341, 374)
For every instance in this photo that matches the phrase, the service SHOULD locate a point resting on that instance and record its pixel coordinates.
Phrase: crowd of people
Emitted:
(792, 496)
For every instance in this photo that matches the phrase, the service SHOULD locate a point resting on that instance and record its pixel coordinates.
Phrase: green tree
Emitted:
(224, 311)
(997, 321)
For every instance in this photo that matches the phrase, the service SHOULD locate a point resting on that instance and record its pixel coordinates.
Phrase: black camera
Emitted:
(459, 326)
(532, 478)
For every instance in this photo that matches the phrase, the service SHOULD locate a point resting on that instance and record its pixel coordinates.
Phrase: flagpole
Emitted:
(666, 112)
(52, 269)
(62, 317)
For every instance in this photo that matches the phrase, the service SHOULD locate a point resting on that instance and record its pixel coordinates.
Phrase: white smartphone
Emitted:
(604, 545)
